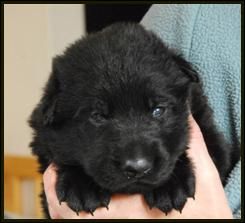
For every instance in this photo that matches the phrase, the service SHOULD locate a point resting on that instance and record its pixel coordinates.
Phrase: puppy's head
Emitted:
(116, 105)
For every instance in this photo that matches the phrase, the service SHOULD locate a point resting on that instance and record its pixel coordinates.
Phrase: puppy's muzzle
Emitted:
(136, 168)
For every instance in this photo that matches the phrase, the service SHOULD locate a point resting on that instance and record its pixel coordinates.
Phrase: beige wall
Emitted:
(32, 35)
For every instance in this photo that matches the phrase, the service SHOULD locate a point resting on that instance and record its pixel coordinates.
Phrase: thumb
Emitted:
(209, 188)
(198, 151)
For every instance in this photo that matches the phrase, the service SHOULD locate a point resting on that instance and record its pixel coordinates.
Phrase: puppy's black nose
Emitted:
(137, 168)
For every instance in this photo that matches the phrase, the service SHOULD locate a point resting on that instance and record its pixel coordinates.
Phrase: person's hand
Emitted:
(210, 200)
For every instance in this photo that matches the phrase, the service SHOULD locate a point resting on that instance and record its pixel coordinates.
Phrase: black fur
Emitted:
(96, 112)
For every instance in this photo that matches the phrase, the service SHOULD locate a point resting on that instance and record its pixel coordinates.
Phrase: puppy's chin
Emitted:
(140, 186)
(137, 187)
(121, 184)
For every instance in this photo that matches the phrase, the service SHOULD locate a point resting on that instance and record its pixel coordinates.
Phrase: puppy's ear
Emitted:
(47, 112)
(187, 68)
(50, 100)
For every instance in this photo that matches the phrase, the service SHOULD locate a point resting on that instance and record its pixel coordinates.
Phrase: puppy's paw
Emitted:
(169, 197)
(174, 193)
(80, 193)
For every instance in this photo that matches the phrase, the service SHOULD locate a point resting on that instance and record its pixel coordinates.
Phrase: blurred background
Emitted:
(33, 34)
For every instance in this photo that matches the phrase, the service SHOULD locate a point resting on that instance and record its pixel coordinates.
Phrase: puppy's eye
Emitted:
(97, 117)
(158, 112)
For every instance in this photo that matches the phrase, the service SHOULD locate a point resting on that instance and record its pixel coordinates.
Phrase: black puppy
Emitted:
(113, 119)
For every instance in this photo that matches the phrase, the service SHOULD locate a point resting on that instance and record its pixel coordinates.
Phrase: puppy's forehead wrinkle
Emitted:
(127, 91)
(124, 98)
(135, 129)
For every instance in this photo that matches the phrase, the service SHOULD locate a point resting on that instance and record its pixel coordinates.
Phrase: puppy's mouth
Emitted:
(137, 185)
(141, 184)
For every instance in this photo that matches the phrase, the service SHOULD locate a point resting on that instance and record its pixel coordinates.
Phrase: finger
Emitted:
(49, 180)
(197, 146)
(198, 153)
(56, 210)
(196, 140)
(207, 175)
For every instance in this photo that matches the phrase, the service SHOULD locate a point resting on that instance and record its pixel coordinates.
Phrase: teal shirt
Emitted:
(209, 36)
